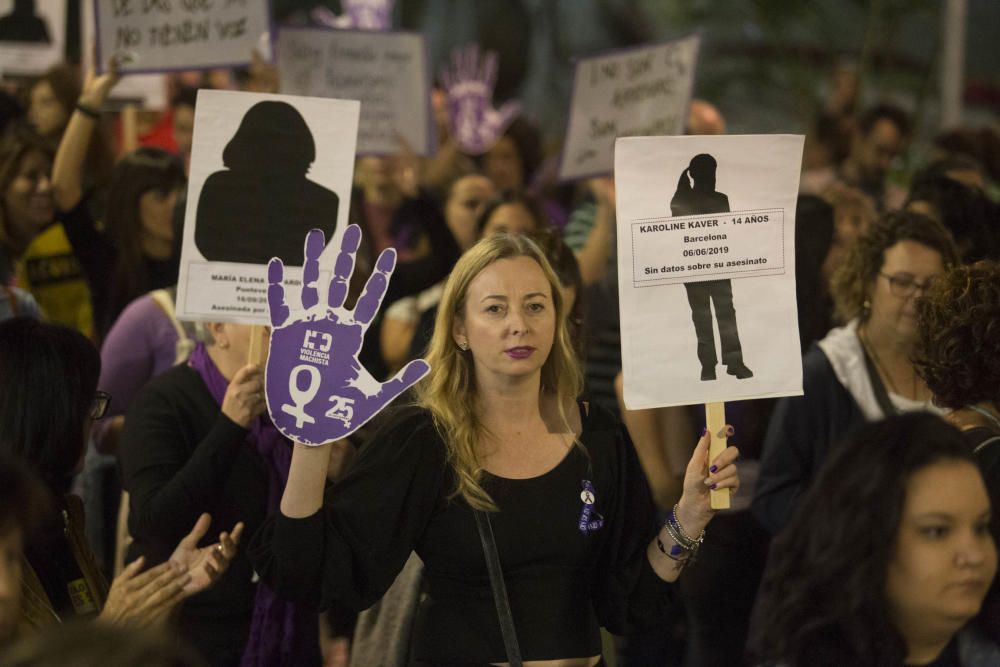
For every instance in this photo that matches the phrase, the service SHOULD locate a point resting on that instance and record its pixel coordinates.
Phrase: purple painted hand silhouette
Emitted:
(358, 15)
(317, 391)
(472, 120)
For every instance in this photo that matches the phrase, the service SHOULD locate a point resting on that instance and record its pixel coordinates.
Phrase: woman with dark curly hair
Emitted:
(859, 372)
(958, 356)
(847, 585)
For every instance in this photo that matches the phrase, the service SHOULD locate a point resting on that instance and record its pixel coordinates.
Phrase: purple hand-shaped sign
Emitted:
(317, 390)
(358, 15)
(473, 122)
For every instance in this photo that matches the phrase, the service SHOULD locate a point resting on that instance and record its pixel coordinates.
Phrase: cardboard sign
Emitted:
(265, 169)
(317, 390)
(387, 72)
(706, 268)
(32, 36)
(146, 91)
(633, 92)
(163, 35)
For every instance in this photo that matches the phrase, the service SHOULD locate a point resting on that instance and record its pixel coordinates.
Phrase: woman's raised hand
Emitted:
(205, 565)
(694, 510)
(244, 399)
(145, 599)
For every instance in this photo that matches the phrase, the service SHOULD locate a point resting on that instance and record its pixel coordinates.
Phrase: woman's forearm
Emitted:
(303, 494)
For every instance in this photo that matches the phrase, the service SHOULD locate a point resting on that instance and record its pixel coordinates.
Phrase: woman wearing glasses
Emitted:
(859, 372)
(44, 424)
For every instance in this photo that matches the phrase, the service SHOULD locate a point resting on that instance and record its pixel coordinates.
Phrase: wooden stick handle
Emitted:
(715, 421)
(257, 353)
(130, 128)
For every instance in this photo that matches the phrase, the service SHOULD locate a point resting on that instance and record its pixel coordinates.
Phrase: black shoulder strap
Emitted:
(881, 395)
(499, 589)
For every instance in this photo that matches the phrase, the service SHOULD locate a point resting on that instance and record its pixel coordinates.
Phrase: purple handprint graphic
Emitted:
(473, 121)
(317, 390)
(358, 15)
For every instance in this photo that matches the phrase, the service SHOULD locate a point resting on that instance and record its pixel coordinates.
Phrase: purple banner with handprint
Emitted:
(317, 390)
(473, 122)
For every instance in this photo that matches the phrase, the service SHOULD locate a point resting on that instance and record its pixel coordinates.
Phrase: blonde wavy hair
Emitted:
(449, 391)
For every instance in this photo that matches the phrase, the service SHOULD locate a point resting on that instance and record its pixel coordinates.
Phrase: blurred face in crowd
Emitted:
(45, 113)
(513, 218)
(374, 175)
(156, 214)
(11, 550)
(944, 558)
(27, 200)
(908, 269)
(504, 167)
(853, 215)
(466, 201)
(184, 132)
(508, 319)
(873, 153)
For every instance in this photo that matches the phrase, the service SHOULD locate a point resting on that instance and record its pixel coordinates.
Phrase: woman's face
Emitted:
(45, 113)
(503, 166)
(510, 219)
(908, 268)
(28, 199)
(466, 201)
(156, 214)
(509, 320)
(944, 558)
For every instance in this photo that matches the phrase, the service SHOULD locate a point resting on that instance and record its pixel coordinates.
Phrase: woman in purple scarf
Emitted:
(198, 439)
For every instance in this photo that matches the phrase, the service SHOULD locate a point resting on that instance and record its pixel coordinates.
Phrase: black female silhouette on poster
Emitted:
(696, 195)
(262, 205)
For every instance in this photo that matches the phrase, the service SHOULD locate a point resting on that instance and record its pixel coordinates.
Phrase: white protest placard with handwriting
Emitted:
(163, 35)
(32, 36)
(706, 268)
(386, 71)
(265, 169)
(641, 91)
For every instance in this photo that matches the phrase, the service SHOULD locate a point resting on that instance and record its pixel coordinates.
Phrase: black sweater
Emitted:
(562, 583)
(180, 456)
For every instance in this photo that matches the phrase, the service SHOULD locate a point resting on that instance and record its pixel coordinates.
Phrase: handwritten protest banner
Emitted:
(162, 35)
(32, 36)
(386, 71)
(265, 169)
(706, 244)
(633, 92)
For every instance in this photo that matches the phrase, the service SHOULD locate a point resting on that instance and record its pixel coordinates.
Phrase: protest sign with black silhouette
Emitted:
(265, 169)
(32, 35)
(706, 245)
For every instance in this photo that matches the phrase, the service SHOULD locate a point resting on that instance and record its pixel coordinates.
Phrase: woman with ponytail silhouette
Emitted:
(696, 195)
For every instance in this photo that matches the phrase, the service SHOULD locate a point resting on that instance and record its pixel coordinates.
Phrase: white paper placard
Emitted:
(641, 91)
(32, 37)
(706, 268)
(264, 170)
(164, 35)
(386, 71)
(146, 91)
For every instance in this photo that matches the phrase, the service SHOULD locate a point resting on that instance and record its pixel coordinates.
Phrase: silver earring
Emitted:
(464, 346)
(223, 345)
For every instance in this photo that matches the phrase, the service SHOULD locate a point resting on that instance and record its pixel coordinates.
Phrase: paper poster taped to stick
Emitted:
(706, 268)
(32, 36)
(317, 389)
(163, 35)
(643, 91)
(386, 71)
(265, 169)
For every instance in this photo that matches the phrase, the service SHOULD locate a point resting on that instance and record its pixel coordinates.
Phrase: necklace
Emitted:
(867, 344)
(986, 413)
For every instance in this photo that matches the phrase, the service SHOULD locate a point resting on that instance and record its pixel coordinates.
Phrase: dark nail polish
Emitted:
(730, 431)
(703, 432)
(713, 486)
(713, 468)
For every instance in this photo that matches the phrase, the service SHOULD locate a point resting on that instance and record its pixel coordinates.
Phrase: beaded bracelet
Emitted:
(686, 540)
